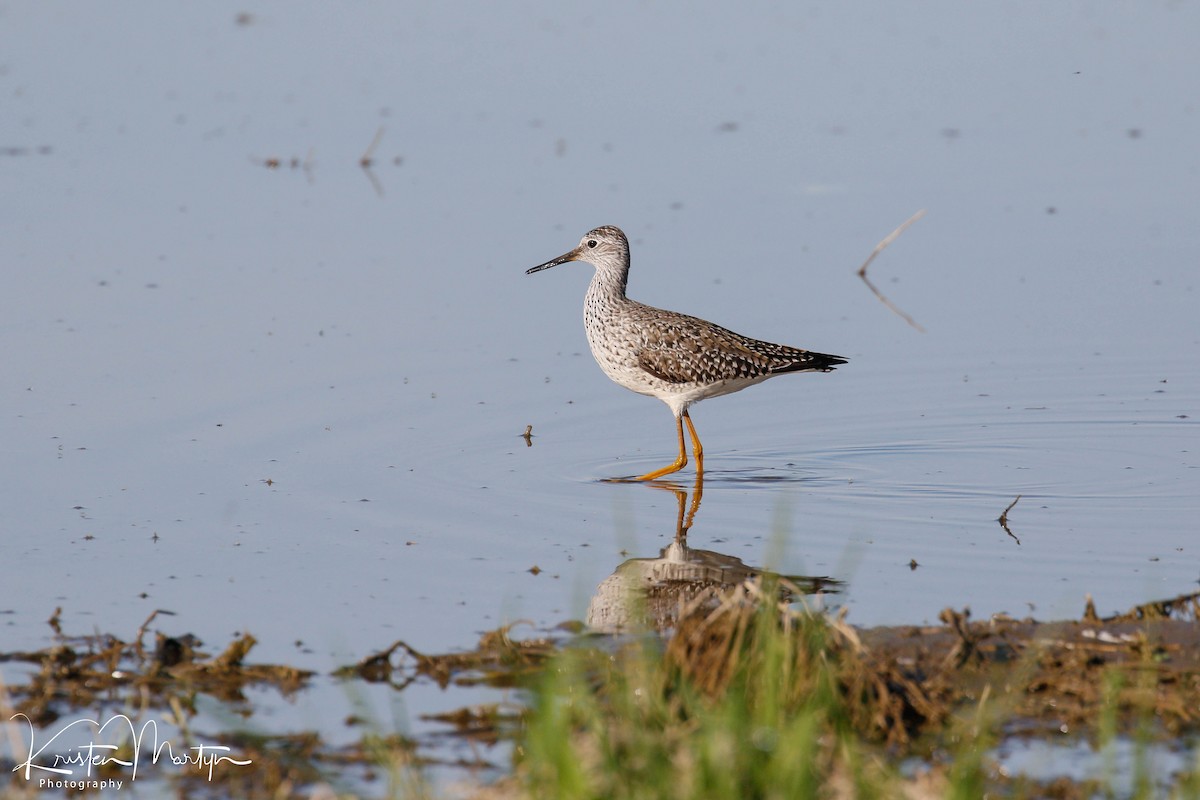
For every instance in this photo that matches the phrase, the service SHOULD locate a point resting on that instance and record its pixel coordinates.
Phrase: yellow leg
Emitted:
(697, 450)
(680, 462)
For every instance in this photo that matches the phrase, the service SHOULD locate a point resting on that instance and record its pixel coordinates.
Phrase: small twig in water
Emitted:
(368, 156)
(1003, 519)
(862, 271)
(368, 160)
(137, 639)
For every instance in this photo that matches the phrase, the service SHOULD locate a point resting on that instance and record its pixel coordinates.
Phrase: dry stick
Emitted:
(368, 156)
(1004, 514)
(862, 271)
(1003, 519)
(137, 639)
(368, 160)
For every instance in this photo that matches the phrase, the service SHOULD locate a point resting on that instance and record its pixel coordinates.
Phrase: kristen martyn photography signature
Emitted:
(65, 758)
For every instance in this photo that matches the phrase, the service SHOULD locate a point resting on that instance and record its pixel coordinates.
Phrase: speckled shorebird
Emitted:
(677, 358)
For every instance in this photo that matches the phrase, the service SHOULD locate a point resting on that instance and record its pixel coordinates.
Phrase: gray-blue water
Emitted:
(288, 400)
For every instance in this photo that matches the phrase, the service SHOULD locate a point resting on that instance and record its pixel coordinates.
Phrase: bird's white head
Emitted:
(605, 248)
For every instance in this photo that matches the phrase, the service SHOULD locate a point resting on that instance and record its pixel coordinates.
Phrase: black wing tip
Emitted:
(815, 362)
(831, 361)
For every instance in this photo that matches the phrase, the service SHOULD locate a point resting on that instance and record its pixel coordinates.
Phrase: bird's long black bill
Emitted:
(564, 258)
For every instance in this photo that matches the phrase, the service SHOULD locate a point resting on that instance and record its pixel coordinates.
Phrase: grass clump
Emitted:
(752, 697)
(749, 699)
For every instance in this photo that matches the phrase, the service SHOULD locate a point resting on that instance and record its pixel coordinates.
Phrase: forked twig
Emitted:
(368, 156)
(862, 271)
(137, 639)
(368, 160)
(1003, 519)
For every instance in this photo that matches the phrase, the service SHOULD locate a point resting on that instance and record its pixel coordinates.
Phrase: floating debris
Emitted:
(862, 271)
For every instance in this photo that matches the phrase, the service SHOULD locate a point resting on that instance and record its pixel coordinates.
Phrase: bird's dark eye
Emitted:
(591, 242)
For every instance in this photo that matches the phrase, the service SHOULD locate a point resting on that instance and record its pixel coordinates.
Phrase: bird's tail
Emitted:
(814, 362)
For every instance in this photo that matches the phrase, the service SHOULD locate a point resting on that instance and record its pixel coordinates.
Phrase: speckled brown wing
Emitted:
(680, 349)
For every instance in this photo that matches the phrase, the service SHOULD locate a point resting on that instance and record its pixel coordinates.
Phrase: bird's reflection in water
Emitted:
(647, 593)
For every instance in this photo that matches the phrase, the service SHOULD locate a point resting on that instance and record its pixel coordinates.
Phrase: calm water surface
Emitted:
(288, 400)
